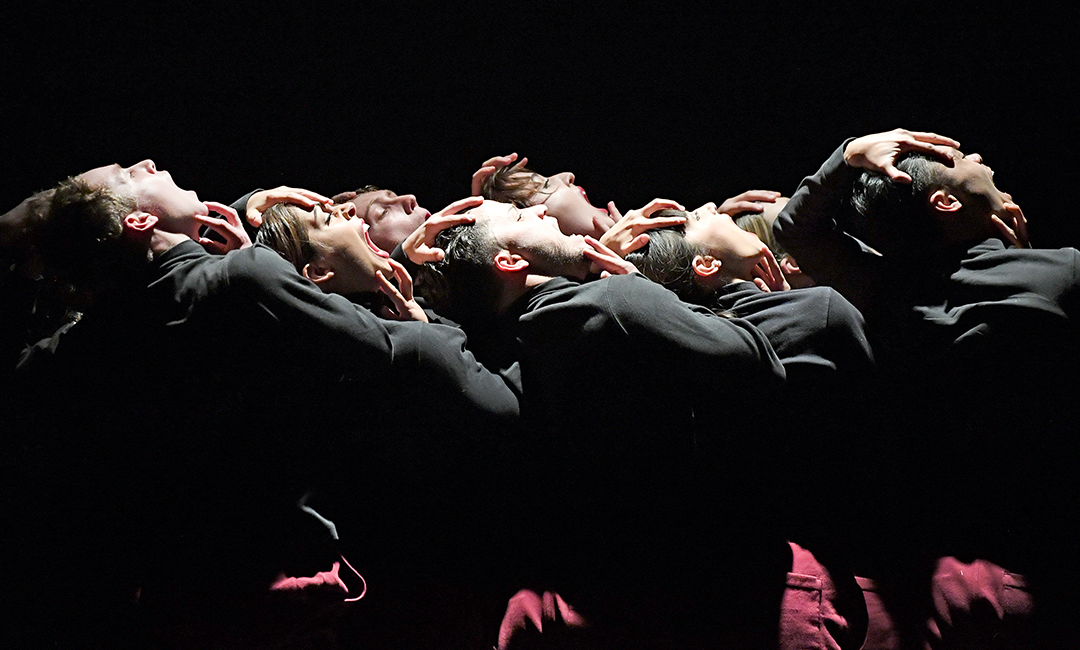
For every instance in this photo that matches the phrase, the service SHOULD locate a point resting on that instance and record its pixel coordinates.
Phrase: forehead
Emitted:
(367, 199)
(493, 210)
(111, 176)
(310, 218)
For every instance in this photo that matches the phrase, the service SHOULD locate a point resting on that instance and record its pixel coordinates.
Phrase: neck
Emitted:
(516, 288)
(161, 241)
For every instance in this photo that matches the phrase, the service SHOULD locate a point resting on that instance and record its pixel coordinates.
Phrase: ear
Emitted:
(942, 201)
(705, 265)
(317, 272)
(139, 223)
(510, 262)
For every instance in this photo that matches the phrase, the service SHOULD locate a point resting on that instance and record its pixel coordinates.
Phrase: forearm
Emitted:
(809, 228)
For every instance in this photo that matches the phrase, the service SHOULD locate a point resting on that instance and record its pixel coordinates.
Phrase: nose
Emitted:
(346, 210)
(407, 201)
(975, 157)
(566, 177)
(146, 165)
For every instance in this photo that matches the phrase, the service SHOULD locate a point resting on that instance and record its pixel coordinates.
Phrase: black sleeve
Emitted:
(448, 378)
(690, 339)
(398, 255)
(240, 205)
(809, 228)
(336, 334)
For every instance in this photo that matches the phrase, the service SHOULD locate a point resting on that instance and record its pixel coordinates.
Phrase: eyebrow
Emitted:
(381, 200)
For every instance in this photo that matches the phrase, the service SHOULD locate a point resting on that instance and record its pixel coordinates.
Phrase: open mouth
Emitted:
(378, 251)
(582, 190)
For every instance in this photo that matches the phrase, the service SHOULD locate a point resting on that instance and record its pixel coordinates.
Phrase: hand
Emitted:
(230, 229)
(767, 274)
(343, 197)
(878, 152)
(405, 307)
(605, 261)
(628, 233)
(489, 167)
(748, 201)
(260, 201)
(1017, 234)
(419, 247)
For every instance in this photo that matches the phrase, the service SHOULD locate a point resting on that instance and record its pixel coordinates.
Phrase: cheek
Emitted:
(574, 216)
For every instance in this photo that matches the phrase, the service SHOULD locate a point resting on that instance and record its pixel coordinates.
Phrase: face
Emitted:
(155, 193)
(529, 232)
(392, 218)
(718, 234)
(569, 204)
(974, 181)
(346, 248)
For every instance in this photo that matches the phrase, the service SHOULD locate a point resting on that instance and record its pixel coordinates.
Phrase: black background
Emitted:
(692, 102)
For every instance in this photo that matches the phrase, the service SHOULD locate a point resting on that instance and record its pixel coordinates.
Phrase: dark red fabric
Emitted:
(973, 605)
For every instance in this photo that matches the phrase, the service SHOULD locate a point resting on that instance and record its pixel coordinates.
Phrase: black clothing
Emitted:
(818, 433)
(976, 458)
(629, 473)
(812, 328)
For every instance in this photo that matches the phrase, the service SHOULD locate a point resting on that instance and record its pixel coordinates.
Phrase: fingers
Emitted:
(1019, 224)
(660, 204)
(223, 228)
(613, 211)
(768, 196)
(459, 205)
(652, 223)
(234, 234)
(489, 167)
(478, 178)
(769, 271)
(605, 259)
(434, 225)
(500, 161)
(636, 243)
(229, 214)
(387, 287)
(315, 198)
(260, 201)
(343, 197)
(892, 172)
(213, 246)
(739, 207)
(1006, 231)
(942, 152)
(932, 138)
(404, 280)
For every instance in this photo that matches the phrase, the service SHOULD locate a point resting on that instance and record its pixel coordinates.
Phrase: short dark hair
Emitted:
(71, 238)
(462, 286)
(668, 259)
(76, 228)
(891, 216)
(511, 184)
